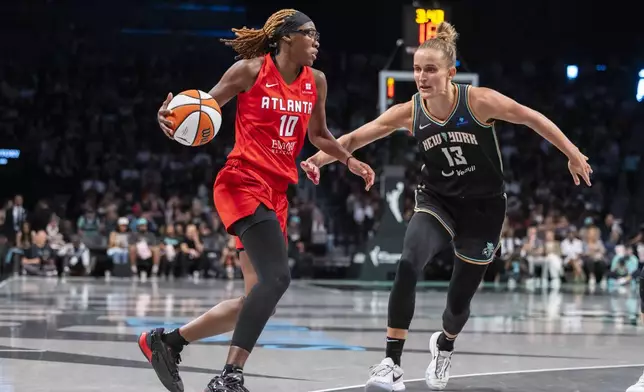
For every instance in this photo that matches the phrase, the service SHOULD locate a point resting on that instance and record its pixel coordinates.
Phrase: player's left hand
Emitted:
(363, 170)
(311, 170)
(578, 166)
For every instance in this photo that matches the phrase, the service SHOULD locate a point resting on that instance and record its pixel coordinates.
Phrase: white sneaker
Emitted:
(437, 373)
(385, 377)
(638, 386)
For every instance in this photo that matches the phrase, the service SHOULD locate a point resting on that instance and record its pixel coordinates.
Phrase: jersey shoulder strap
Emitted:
(415, 110)
(465, 93)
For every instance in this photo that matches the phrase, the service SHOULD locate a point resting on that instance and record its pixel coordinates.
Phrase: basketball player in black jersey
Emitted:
(460, 201)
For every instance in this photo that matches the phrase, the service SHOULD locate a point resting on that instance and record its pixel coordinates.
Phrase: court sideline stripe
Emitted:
(4, 282)
(500, 374)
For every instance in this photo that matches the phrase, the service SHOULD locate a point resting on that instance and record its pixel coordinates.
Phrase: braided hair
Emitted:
(251, 43)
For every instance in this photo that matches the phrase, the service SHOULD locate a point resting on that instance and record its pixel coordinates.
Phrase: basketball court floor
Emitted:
(80, 335)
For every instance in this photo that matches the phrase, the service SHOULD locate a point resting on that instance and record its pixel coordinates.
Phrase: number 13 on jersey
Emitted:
(287, 125)
(454, 156)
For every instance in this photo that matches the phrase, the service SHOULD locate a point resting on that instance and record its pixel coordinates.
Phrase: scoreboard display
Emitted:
(419, 25)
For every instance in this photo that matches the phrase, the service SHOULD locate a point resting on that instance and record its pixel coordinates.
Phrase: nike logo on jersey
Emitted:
(271, 85)
(424, 126)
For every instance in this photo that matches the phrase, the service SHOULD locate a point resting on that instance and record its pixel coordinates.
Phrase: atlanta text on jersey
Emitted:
(287, 105)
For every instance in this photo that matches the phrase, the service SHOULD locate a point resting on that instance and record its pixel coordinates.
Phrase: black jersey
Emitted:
(461, 155)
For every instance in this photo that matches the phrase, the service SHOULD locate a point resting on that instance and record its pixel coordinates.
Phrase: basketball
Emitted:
(196, 117)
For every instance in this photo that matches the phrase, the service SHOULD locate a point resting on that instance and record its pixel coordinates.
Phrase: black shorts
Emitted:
(475, 224)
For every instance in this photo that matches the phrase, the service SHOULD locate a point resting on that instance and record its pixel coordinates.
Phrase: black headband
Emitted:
(291, 24)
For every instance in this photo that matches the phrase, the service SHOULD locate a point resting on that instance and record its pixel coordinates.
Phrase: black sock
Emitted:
(445, 343)
(174, 340)
(394, 349)
(231, 369)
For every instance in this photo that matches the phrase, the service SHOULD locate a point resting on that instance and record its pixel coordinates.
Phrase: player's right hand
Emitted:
(165, 124)
(579, 167)
(363, 170)
(311, 170)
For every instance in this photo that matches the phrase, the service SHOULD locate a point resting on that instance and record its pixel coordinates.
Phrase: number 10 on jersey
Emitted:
(287, 125)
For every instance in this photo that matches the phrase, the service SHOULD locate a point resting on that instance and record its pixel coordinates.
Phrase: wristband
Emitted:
(347, 161)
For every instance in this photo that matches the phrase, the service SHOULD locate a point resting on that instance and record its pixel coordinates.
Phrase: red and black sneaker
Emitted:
(164, 359)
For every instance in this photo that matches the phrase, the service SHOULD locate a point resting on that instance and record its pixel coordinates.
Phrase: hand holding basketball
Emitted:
(162, 114)
(363, 170)
(191, 118)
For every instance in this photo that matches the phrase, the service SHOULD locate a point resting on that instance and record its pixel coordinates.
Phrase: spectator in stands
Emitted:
(572, 249)
(118, 243)
(170, 248)
(624, 266)
(89, 225)
(15, 216)
(110, 222)
(533, 252)
(552, 258)
(144, 250)
(207, 236)
(594, 256)
(192, 249)
(230, 258)
(55, 237)
(39, 259)
(611, 234)
(74, 258)
(509, 252)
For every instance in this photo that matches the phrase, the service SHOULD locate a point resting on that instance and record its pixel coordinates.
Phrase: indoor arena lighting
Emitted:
(572, 71)
(640, 87)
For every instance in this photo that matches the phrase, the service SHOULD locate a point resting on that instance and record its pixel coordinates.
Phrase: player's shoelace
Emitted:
(231, 382)
(176, 357)
(442, 364)
(176, 360)
(381, 370)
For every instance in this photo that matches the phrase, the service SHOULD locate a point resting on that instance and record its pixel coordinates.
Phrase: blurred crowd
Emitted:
(102, 176)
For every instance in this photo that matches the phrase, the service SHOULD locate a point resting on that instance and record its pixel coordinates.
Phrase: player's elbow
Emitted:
(315, 140)
(529, 117)
(317, 137)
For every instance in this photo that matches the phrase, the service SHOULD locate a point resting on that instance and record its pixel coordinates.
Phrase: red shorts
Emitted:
(239, 191)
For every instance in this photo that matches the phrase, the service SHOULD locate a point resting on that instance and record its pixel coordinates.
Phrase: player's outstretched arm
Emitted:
(321, 137)
(396, 117)
(490, 104)
(319, 133)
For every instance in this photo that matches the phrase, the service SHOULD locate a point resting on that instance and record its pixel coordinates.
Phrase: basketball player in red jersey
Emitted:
(279, 97)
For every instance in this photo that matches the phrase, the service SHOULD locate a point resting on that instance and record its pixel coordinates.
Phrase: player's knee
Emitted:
(279, 281)
(407, 271)
(458, 305)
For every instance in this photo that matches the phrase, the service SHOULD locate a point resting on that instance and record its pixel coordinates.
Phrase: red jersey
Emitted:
(271, 123)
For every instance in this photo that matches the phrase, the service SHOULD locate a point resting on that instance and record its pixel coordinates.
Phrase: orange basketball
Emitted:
(196, 117)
